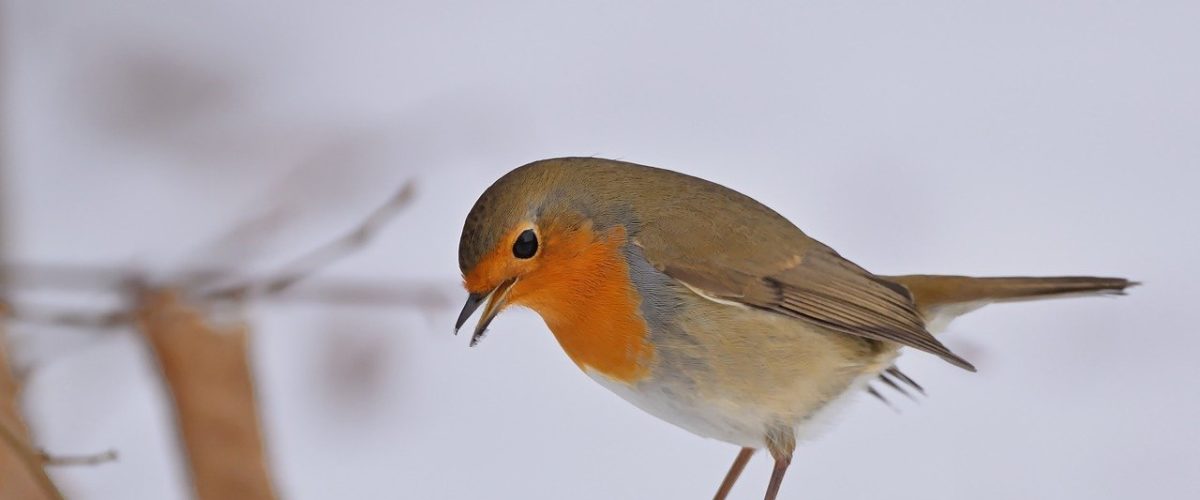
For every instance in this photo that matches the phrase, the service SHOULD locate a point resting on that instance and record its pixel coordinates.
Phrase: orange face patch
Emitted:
(499, 265)
(579, 284)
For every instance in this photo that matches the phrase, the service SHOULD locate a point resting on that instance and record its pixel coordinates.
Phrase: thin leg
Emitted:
(735, 470)
(781, 465)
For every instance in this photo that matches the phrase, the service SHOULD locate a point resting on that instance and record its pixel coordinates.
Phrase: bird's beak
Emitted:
(496, 300)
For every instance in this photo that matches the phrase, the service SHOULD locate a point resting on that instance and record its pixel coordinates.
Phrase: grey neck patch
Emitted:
(659, 301)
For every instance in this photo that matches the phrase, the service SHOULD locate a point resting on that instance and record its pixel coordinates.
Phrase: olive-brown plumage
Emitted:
(701, 305)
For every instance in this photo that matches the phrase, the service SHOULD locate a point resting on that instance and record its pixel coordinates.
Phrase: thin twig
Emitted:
(424, 296)
(390, 293)
(70, 319)
(32, 463)
(326, 254)
(278, 286)
(62, 277)
(74, 460)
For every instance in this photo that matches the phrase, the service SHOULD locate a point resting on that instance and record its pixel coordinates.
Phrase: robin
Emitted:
(704, 307)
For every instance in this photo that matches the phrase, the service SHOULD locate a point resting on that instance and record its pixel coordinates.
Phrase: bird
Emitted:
(706, 308)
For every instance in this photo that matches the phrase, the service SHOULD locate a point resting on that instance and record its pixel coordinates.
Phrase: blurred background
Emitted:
(153, 139)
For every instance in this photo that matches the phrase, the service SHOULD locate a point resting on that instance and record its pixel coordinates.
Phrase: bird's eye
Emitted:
(526, 245)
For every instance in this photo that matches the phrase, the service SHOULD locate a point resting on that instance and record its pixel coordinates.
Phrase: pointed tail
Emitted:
(943, 298)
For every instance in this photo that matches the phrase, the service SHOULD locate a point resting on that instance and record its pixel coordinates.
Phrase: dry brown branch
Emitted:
(21, 474)
(205, 368)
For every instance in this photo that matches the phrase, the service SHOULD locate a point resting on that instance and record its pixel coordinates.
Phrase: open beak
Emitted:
(495, 299)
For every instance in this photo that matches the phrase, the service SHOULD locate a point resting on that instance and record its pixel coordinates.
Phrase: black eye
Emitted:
(526, 245)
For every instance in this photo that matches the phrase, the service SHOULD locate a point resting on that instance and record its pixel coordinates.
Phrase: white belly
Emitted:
(729, 423)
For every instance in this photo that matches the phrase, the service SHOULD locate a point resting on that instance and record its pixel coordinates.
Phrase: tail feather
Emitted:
(932, 290)
(942, 298)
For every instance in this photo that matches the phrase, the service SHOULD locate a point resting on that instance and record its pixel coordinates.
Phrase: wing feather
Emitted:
(820, 287)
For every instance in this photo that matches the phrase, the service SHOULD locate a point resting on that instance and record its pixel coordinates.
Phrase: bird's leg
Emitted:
(781, 465)
(781, 442)
(735, 470)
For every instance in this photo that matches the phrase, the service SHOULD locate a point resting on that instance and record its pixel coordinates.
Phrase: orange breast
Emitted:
(584, 294)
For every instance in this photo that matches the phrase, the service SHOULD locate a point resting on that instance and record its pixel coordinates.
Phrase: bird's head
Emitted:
(532, 239)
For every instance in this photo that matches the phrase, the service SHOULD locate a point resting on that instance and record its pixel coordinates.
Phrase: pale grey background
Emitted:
(1019, 137)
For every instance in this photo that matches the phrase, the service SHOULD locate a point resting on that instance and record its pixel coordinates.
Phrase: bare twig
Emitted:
(26, 276)
(424, 296)
(75, 460)
(324, 255)
(71, 319)
(112, 279)
(278, 286)
(239, 244)
(29, 461)
(305, 186)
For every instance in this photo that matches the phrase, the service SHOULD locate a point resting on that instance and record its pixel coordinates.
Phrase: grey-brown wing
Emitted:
(833, 292)
(821, 287)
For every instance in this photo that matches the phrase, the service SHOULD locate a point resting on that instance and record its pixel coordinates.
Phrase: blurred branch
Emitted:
(21, 473)
(204, 367)
(424, 296)
(334, 291)
(64, 277)
(85, 320)
(325, 255)
(278, 286)
(311, 185)
(34, 483)
(75, 460)
(207, 373)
